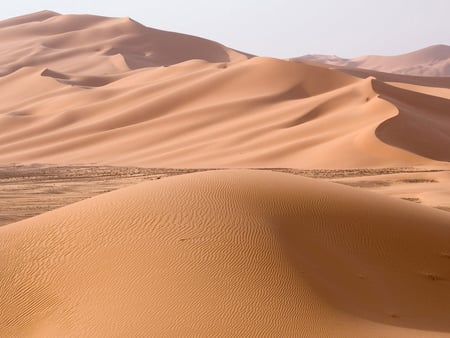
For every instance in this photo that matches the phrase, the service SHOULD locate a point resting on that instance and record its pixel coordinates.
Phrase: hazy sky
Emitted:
(280, 28)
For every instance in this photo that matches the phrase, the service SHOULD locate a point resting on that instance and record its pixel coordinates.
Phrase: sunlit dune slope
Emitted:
(85, 44)
(88, 89)
(261, 112)
(233, 252)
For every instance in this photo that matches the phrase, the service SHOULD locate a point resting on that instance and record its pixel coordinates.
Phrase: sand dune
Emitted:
(226, 253)
(430, 61)
(261, 112)
(422, 124)
(86, 44)
(426, 81)
(33, 17)
(223, 253)
(98, 91)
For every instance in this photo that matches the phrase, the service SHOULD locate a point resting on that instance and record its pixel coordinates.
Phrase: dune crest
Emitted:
(228, 252)
(430, 61)
(28, 18)
(87, 44)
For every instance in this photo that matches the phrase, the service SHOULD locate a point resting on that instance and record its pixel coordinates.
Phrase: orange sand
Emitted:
(87, 89)
(229, 253)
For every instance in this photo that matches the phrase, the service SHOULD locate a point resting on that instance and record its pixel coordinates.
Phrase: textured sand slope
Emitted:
(430, 61)
(234, 252)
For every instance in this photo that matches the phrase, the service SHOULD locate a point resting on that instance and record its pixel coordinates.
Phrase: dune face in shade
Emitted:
(229, 252)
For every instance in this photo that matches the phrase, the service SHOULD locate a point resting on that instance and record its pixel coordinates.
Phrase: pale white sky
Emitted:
(279, 28)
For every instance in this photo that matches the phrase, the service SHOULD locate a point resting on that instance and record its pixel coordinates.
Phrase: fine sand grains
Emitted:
(228, 253)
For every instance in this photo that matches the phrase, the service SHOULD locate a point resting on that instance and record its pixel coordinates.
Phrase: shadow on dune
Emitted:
(429, 81)
(151, 47)
(422, 125)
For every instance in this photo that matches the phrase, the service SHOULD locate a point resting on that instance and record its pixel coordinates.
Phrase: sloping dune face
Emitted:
(92, 44)
(228, 253)
(422, 125)
(88, 89)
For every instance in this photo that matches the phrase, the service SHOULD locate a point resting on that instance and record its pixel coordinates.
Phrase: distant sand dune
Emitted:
(430, 61)
(89, 89)
(29, 18)
(86, 44)
(436, 82)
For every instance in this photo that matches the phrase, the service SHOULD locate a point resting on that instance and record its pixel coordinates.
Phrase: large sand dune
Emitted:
(228, 253)
(88, 89)
(91, 44)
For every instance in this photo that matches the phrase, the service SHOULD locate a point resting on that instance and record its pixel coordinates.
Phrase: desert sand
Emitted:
(429, 61)
(87, 89)
(30, 190)
(228, 252)
(92, 104)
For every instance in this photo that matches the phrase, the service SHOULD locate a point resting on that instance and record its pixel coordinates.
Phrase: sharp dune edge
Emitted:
(225, 252)
(228, 252)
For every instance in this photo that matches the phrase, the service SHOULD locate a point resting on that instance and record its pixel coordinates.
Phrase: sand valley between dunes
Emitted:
(158, 184)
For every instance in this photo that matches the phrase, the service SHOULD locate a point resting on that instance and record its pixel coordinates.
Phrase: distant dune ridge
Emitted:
(430, 61)
(111, 91)
(97, 45)
(225, 252)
